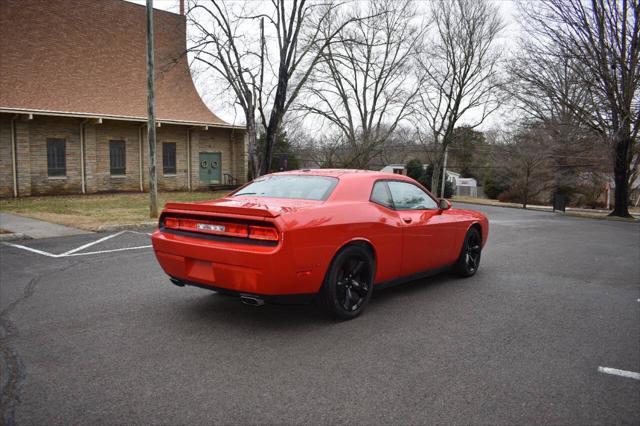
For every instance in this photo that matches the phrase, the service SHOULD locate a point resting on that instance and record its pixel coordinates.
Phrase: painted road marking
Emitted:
(107, 251)
(622, 373)
(44, 253)
(92, 243)
(74, 252)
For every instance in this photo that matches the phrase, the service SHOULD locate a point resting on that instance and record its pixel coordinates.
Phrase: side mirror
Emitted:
(444, 204)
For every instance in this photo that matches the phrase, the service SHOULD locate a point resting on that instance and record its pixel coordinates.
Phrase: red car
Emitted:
(332, 235)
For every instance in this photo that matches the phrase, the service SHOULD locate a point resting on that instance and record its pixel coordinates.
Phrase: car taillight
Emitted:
(229, 229)
(171, 222)
(263, 233)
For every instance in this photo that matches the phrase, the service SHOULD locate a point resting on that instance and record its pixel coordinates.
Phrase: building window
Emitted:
(117, 157)
(56, 157)
(169, 158)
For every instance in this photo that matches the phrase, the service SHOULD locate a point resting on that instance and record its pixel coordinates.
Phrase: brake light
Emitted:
(264, 233)
(229, 229)
(171, 222)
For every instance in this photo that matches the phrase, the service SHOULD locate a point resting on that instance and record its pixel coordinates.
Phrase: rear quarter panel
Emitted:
(316, 235)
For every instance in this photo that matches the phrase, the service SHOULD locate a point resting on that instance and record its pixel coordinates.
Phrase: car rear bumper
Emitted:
(284, 299)
(235, 268)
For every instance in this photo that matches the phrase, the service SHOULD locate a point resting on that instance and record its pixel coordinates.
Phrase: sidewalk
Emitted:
(20, 226)
(570, 211)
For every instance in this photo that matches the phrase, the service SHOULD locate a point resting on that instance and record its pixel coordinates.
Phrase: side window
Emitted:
(56, 157)
(407, 196)
(117, 157)
(169, 158)
(380, 194)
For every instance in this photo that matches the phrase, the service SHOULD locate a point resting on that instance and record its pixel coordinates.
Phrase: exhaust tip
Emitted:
(251, 300)
(176, 282)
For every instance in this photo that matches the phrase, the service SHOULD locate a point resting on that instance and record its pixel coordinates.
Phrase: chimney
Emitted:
(181, 7)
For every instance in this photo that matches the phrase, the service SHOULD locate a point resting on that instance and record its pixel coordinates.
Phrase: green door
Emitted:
(210, 168)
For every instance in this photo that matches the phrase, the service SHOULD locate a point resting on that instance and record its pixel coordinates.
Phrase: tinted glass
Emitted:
(407, 196)
(380, 194)
(290, 186)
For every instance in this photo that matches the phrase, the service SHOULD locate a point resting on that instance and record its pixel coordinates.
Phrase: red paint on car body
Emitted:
(301, 237)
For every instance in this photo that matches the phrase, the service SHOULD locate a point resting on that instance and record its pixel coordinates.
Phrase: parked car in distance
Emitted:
(329, 234)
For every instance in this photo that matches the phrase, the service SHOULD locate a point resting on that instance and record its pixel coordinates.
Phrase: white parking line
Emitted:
(74, 252)
(107, 251)
(622, 373)
(92, 243)
(44, 253)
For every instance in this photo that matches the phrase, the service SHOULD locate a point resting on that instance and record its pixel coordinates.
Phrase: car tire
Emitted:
(469, 260)
(348, 284)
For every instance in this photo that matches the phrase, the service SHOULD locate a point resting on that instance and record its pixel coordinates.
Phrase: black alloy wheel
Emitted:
(349, 282)
(469, 259)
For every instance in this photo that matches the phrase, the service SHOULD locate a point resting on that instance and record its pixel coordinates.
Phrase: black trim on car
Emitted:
(283, 299)
(407, 278)
(221, 238)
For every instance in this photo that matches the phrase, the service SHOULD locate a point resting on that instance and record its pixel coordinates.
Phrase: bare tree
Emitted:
(528, 171)
(541, 87)
(266, 72)
(364, 84)
(461, 64)
(599, 40)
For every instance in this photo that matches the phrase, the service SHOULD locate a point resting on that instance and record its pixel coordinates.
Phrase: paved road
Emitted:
(104, 338)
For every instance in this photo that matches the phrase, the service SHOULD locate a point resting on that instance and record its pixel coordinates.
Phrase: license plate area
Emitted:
(200, 270)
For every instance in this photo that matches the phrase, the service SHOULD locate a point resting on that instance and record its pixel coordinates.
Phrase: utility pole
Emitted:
(444, 173)
(151, 122)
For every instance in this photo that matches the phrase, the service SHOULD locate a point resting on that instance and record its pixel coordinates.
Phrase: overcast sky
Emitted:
(227, 113)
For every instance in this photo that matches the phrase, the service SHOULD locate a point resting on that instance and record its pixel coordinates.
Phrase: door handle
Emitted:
(407, 219)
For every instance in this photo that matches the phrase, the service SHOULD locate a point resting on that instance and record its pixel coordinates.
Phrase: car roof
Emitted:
(341, 173)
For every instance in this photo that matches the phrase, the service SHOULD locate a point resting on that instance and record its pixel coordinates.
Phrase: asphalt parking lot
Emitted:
(99, 335)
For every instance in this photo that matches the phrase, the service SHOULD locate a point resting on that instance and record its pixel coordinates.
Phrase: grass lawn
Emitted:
(90, 212)
(484, 201)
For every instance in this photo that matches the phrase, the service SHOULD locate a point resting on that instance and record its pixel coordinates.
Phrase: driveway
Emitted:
(93, 332)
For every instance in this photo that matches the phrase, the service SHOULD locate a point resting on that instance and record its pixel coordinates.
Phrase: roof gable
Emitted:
(89, 57)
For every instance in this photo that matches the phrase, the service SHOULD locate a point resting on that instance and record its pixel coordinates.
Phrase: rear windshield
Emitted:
(290, 186)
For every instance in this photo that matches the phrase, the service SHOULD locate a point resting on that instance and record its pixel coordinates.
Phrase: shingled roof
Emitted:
(88, 58)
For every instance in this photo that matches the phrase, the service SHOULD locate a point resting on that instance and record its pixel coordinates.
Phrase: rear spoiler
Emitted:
(213, 208)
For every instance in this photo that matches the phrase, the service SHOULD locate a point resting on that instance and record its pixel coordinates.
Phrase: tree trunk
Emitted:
(525, 192)
(621, 177)
(435, 178)
(252, 143)
(275, 121)
(267, 153)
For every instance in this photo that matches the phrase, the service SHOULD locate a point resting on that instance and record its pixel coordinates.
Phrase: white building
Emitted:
(463, 186)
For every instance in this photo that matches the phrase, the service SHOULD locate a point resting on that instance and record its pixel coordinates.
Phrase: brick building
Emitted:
(73, 103)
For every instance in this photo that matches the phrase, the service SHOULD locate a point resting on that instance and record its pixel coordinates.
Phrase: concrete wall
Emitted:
(32, 155)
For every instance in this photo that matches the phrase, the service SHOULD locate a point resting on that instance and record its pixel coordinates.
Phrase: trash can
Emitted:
(559, 202)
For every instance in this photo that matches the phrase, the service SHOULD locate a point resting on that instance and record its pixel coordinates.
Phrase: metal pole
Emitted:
(14, 155)
(151, 123)
(444, 173)
(83, 172)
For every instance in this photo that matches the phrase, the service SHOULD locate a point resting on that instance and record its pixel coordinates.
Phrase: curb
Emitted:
(126, 226)
(582, 215)
(605, 217)
(13, 237)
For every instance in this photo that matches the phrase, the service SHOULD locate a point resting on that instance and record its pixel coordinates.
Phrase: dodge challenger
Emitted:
(328, 235)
